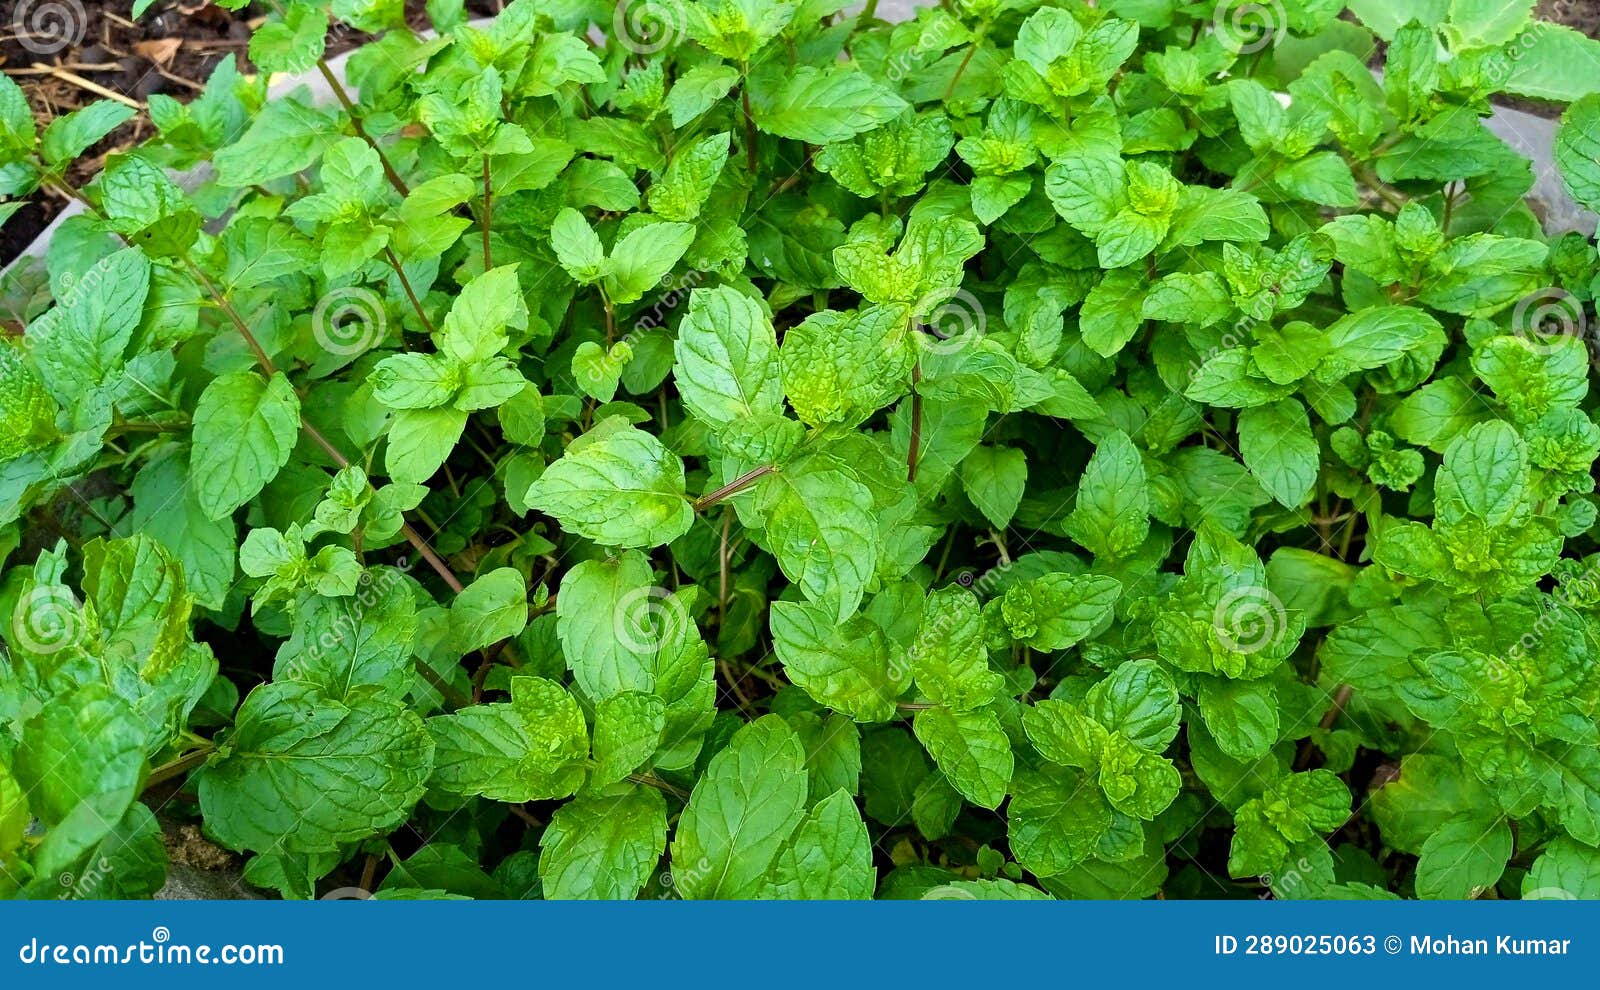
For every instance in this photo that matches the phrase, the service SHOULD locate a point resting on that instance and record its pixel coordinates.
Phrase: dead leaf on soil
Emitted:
(161, 51)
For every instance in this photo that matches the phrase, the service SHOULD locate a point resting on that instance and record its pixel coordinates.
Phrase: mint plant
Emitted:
(748, 449)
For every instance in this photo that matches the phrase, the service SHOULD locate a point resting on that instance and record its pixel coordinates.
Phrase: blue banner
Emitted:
(701, 945)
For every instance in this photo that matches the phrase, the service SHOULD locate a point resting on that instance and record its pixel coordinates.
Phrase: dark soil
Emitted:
(1583, 15)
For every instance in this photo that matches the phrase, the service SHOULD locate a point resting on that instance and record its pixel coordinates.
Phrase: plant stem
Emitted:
(360, 128)
(914, 448)
(179, 766)
(1341, 698)
(411, 535)
(71, 193)
(450, 694)
(228, 309)
(488, 213)
(405, 283)
(733, 487)
(650, 780)
(723, 563)
(751, 159)
(966, 60)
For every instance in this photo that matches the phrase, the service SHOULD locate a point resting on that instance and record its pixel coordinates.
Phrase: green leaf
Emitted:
(842, 367)
(727, 366)
(698, 90)
(304, 773)
(1054, 822)
(286, 137)
(994, 479)
(1374, 337)
(617, 486)
(603, 846)
(1112, 513)
(1556, 63)
(494, 607)
(970, 749)
(949, 657)
(292, 44)
(578, 247)
(643, 257)
(627, 730)
(820, 526)
(71, 134)
(829, 857)
(1463, 859)
(1140, 701)
(1578, 151)
(1280, 450)
(1485, 23)
(531, 748)
(419, 442)
(1567, 870)
(1111, 313)
(611, 622)
(1241, 715)
(844, 665)
(683, 188)
(821, 106)
(1055, 611)
(244, 429)
(86, 346)
(344, 645)
(741, 813)
(79, 764)
(167, 509)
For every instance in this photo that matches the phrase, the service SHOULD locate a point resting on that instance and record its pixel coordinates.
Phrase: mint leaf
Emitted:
(244, 430)
(741, 813)
(294, 750)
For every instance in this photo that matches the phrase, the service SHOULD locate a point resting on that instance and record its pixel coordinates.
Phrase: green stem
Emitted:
(405, 283)
(349, 105)
(360, 130)
(733, 487)
(751, 159)
(966, 60)
(488, 213)
(914, 447)
(180, 766)
(315, 435)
